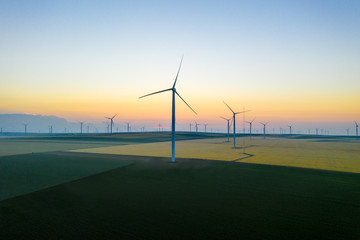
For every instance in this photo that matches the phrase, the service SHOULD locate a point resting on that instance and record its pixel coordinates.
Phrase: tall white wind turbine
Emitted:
(234, 114)
(290, 128)
(228, 126)
(111, 122)
(250, 123)
(264, 129)
(174, 92)
(357, 128)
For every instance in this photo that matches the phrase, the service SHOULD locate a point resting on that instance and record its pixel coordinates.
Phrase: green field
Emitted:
(142, 197)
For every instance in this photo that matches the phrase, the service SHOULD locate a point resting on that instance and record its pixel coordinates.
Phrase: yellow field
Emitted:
(337, 156)
(23, 146)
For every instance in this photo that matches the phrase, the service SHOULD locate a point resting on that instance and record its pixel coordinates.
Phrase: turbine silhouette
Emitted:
(174, 92)
(250, 123)
(111, 122)
(290, 127)
(234, 114)
(264, 129)
(357, 128)
(228, 126)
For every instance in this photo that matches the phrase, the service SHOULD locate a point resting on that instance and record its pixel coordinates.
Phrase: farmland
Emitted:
(329, 154)
(127, 189)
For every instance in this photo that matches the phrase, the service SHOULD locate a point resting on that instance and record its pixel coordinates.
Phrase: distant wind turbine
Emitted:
(250, 123)
(111, 122)
(205, 124)
(81, 125)
(190, 127)
(357, 129)
(128, 127)
(234, 114)
(196, 126)
(25, 126)
(174, 92)
(264, 128)
(290, 127)
(228, 126)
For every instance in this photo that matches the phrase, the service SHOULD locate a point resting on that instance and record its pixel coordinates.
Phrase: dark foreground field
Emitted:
(192, 199)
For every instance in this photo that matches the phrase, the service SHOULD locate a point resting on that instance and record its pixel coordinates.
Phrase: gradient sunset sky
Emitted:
(287, 61)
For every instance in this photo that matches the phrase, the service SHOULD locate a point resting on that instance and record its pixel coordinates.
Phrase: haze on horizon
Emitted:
(287, 61)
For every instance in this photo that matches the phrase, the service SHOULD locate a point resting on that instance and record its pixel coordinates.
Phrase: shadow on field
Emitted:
(191, 199)
(247, 155)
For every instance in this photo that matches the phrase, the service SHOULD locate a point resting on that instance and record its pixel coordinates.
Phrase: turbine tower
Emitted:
(196, 126)
(250, 123)
(111, 122)
(174, 92)
(25, 126)
(228, 126)
(357, 129)
(290, 127)
(190, 127)
(234, 114)
(205, 124)
(128, 127)
(81, 125)
(264, 128)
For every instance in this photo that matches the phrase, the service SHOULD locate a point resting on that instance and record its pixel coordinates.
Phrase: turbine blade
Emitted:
(223, 118)
(178, 71)
(156, 92)
(113, 116)
(243, 111)
(229, 107)
(185, 102)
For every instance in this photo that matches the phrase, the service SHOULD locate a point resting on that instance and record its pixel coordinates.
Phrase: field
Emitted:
(329, 154)
(135, 193)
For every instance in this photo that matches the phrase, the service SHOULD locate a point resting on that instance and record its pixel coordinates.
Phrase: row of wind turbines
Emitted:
(173, 117)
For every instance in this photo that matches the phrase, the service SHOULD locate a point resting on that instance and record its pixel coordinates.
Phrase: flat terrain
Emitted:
(333, 153)
(21, 174)
(35, 144)
(66, 194)
(193, 199)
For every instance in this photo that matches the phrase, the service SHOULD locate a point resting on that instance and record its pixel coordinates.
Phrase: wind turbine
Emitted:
(228, 126)
(128, 127)
(205, 124)
(357, 129)
(196, 126)
(190, 127)
(290, 126)
(250, 123)
(173, 89)
(234, 114)
(111, 122)
(264, 129)
(25, 125)
(81, 124)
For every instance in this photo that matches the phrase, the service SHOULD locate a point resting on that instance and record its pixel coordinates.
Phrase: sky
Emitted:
(289, 62)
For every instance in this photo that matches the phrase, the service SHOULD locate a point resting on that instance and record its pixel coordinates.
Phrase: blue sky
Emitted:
(278, 58)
